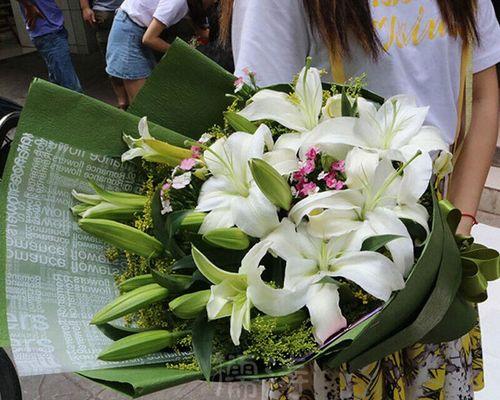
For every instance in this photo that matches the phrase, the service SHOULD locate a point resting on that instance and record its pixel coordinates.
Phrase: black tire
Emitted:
(7, 124)
(10, 389)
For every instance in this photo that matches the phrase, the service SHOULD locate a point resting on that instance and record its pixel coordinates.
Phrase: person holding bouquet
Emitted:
(135, 34)
(421, 47)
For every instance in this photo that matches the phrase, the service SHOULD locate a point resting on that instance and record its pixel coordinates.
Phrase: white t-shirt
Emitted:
(273, 38)
(168, 12)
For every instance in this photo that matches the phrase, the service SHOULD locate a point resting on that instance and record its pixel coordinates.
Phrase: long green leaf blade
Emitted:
(202, 336)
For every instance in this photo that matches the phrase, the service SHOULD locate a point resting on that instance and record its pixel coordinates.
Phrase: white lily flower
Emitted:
(231, 294)
(396, 126)
(151, 149)
(378, 196)
(299, 111)
(230, 195)
(308, 261)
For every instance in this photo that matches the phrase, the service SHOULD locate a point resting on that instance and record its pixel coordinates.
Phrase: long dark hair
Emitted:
(338, 20)
(197, 12)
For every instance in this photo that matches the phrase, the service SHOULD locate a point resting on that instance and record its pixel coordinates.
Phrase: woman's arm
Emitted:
(152, 37)
(475, 159)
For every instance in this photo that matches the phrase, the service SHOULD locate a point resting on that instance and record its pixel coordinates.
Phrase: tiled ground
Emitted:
(72, 387)
(16, 75)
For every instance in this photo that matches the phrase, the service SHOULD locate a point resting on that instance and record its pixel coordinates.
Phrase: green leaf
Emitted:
(239, 123)
(375, 243)
(203, 332)
(185, 263)
(172, 226)
(159, 230)
(175, 283)
(115, 332)
(416, 231)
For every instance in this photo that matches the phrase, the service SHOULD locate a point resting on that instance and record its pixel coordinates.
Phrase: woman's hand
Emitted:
(473, 163)
(152, 37)
(89, 16)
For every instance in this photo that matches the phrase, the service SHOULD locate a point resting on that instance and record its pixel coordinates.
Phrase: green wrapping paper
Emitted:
(186, 95)
(186, 92)
(136, 382)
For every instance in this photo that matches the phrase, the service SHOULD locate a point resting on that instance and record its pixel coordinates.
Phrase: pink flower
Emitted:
(246, 71)
(307, 167)
(196, 151)
(312, 153)
(188, 163)
(332, 182)
(298, 175)
(340, 185)
(338, 166)
(238, 84)
(309, 188)
(166, 186)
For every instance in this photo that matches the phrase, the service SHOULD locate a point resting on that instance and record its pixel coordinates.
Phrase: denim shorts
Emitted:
(126, 56)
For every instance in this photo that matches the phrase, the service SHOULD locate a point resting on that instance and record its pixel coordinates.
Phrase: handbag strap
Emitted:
(464, 102)
(337, 66)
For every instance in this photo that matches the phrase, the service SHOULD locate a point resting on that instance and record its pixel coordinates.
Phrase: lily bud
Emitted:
(122, 236)
(141, 344)
(107, 204)
(193, 220)
(130, 302)
(189, 305)
(136, 282)
(228, 238)
(151, 149)
(271, 183)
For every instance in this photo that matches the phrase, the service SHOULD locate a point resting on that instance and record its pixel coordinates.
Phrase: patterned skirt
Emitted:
(445, 371)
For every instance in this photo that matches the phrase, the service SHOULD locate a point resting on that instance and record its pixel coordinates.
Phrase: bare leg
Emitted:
(132, 87)
(120, 92)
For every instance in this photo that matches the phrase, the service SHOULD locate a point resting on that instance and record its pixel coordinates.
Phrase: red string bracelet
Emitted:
(474, 220)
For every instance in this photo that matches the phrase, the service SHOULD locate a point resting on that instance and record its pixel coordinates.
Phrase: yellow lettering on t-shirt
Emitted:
(436, 28)
(379, 24)
(402, 33)
(418, 34)
(392, 34)
(390, 3)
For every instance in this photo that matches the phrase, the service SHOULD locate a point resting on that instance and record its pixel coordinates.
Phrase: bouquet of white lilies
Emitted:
(313, 194)
(284, 224)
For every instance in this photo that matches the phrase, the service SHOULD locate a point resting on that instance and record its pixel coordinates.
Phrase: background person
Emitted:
(413, 47)
(45, 25)
(99, 15)
(197, 15)
(127, 57)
